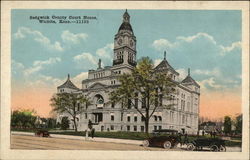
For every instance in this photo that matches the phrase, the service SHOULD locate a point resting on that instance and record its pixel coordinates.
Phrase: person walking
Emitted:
(92, 132)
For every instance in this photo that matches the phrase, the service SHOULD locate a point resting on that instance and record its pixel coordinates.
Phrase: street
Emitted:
(30, 142)
(43, 143)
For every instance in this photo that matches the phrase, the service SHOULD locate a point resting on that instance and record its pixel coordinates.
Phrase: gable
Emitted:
(97, 86)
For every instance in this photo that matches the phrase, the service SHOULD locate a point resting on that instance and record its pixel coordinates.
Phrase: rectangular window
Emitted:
(86, 116)
(121, 116)
(111, 127)
(135, 128)
(128, 118)
(142, 128)
(129, 103)
(159, 127)
(136, 103)
(112, 105)
(155, 127)
(135, 119)
(142, 119)
(112, 117)
(160, 99)
(128, 128)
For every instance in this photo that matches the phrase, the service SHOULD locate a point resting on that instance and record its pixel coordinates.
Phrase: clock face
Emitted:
(131, 43)
(120, 41)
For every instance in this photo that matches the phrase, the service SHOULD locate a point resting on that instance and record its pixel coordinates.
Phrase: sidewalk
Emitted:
(97, 139)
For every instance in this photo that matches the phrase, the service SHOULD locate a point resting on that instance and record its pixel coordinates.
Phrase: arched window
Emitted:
(155, 117)
(159, 117)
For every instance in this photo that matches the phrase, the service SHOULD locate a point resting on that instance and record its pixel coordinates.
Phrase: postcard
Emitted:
(125, 80)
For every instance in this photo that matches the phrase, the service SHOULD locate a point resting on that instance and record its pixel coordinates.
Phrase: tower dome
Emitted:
(126, 22)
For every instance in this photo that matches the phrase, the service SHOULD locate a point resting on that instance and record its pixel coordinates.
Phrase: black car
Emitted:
(42, 133)
(214, 144)
(165, 138)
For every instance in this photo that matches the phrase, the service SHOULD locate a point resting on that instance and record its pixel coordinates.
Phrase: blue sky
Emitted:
(208, 42)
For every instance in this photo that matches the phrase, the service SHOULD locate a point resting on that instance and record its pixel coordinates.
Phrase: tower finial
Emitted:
(68, 76)
(188, 71)
(99, 64)
(164, 55)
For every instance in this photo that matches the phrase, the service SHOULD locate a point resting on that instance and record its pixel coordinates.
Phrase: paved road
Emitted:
(31, 142)
(42, 143)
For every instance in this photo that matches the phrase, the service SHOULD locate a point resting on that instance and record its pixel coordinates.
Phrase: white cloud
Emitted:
(106, 52)
(214, 72)
(23, 32)
(198, 35)
(78, 79)
(72, 38)
(162, 44)
(157, 62)
(210, 83)
(183, 74)
(39, 65)
(85, 60)
(234, 45)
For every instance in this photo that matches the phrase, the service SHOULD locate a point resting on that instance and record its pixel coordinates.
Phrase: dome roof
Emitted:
(126, 26)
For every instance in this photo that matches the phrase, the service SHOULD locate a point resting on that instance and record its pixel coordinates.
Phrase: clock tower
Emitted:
(125, 44)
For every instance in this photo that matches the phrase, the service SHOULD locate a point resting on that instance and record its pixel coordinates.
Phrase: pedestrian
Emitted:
(214, 134)
(203, 132)
(92, 132)
(211, 134)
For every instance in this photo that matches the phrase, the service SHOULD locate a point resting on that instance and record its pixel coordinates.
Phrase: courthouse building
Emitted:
(113, 117)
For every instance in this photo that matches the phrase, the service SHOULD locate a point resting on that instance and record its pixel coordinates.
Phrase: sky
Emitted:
(206, 41)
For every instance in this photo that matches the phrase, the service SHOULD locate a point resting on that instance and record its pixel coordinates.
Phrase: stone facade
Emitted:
(109, 117)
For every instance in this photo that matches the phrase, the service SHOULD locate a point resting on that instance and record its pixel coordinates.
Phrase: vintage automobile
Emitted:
(214, 144)
(42, 133)
(165, 138)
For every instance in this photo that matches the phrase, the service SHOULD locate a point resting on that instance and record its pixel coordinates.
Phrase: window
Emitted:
(160, 99)
(142, 119)
(111, 127)
(78, 106)
(129, 103)
(86, 116)
(155, 127)
(135, 118)
(113, 105)
(128, 118)
(142, 128)
(155, 118)
(159, 127)
(135, 128)
(159, 117)
(128, 128)
(112, 117)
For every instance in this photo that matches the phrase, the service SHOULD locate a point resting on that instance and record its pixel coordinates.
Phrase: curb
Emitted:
(83, 138)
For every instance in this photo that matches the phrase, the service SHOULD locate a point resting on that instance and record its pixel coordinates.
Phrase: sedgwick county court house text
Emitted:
(63, 19)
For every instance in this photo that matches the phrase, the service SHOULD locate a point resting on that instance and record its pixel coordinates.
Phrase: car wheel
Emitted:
(190, 146)
(145, 143)
(167, 145)
(214, 148)
(222, 149)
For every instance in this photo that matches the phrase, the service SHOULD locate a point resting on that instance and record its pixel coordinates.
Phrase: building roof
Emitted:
(68, 84)
(165, 65)
(126, 24)
(190, 80)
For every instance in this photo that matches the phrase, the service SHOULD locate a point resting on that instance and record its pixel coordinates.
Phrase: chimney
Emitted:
(188, 71)
(164, 55)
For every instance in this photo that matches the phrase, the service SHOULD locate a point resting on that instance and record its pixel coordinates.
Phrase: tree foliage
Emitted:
(227, 124)
(238, 124)
(145, 85)
(24, 118)
(65, 123)
(71, 104)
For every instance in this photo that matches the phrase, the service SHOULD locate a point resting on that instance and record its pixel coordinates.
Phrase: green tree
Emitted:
(65, 123)
(24, 118)
(146, 85)
(227, 125)
(69, 103)
(238, 124)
